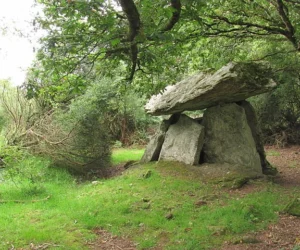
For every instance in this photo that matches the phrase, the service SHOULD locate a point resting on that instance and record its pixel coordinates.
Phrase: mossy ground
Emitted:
(203, 215)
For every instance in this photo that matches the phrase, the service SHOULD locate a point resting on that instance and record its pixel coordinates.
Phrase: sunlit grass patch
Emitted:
(123, 155)
(272, 153)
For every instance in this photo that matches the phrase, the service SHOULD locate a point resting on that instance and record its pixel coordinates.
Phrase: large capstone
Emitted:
(228, 139)
(183, 141)
(232, 83)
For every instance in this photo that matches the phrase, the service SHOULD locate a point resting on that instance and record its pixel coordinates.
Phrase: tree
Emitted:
(153, 43)
(82, 33)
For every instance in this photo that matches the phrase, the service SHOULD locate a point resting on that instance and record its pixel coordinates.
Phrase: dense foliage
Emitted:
(152, 44)
(101, 35)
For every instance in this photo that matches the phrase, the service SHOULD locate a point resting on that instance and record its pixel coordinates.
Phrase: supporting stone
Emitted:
(183, 141)
(256, 133)
(228, 138)
(154, 146)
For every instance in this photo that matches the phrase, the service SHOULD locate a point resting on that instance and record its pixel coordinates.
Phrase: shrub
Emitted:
(73, 136)
(17, 113)
(76, 136)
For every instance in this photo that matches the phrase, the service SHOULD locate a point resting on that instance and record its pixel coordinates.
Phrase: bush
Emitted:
(78, 135)
(125, 115)
(121, 110)
(75, 137)
(17, 113)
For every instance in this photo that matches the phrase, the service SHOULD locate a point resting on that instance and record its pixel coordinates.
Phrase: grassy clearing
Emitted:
(133, 206)
(122, 155)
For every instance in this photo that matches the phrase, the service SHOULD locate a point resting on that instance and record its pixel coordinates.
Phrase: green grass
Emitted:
(273, 153)
(133, 206)
(121, 155)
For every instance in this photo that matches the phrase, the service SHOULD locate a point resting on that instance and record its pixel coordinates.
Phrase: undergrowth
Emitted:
(146, 204)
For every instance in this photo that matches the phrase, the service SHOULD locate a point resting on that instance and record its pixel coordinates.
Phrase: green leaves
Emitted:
(115, 42)
(90, 38)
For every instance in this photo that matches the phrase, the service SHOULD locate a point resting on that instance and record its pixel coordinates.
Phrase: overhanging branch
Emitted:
(176, 5)
(281, 8)
(270, 29)
(287, 31)
(133, 17)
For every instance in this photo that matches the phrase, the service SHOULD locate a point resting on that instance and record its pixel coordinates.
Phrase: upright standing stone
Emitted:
(228, 138)
(183, 142)
(256, 133)
(154, 146)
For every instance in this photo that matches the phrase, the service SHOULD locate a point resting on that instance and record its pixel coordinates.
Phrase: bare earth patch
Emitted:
(114, 171)
(281, 236)
(106, 241)
(287, 161)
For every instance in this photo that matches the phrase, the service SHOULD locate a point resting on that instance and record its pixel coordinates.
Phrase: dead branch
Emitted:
(42, 246)
(43, 137)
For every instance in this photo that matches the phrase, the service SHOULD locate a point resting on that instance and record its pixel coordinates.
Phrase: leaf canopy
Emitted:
(153, 43)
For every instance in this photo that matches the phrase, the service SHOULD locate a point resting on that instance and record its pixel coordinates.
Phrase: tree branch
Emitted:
(176, 5)
(289, 27)
(134, 59)
(273, 54)
(282, 27)
(133, 16)
(270, 29)
(293, 2)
